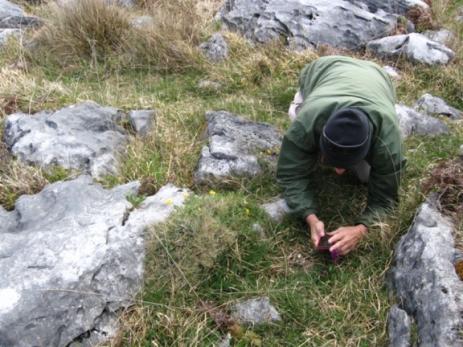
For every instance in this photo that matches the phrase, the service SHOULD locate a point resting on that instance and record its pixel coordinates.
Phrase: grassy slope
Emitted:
(210, 251)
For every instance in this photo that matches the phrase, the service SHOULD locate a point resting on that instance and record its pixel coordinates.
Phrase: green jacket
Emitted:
(328, 84)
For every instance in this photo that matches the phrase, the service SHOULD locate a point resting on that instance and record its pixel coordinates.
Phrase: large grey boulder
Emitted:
(399, 327)
(434, 106)
(255, 311)
(424, 279)
(71, 257)
(412, 122)
(83, 136)
(215, 49)
(308, 23)
(13, 16)
(415, 47)
(235, 144)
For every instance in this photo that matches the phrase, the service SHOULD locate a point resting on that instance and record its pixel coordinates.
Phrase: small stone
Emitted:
(208, 85)
(142, 121)
(415, 47)
(412, 122)
(226, 341)
(392, 72)
(142, 22)
(276, 210)
(255, 311)
(259, 230)
(461, 151)
(216, 48)
(434, 106)
(442, 36)
(399, 327)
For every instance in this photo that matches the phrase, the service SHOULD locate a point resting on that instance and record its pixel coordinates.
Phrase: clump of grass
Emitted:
(87, 29)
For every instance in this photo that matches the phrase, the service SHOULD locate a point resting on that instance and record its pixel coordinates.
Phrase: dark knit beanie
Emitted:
(346, 138)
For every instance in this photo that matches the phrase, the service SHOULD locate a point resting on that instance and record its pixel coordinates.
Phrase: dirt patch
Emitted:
(447, 180)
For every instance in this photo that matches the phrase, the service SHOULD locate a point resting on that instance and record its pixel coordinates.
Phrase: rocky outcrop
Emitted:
(412, 122)
(255, 311)
(235, 144)
(83, 137)
(425, 282)
(306, 24)
(414, 47)
(70, 258)
(434, 106)
(13, 20)
(215, 49)
(142, 121)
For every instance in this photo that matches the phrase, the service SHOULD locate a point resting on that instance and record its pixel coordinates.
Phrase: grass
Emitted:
(210, 251)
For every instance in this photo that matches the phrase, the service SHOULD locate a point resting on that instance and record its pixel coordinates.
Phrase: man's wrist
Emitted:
(311, 219)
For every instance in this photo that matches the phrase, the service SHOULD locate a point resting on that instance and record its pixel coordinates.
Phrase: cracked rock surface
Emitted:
(255, 311)
(234, 147)
(399, 327)
(415, 47)
(84, 137)
(416, 123)
(424, 279)
(308, 23)
(13, 16)
(71, 257)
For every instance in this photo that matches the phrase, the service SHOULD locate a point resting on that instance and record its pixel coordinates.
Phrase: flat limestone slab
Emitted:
(71, 257)
(84, 137)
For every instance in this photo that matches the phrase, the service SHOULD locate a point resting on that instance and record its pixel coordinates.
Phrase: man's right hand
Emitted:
(317, 229)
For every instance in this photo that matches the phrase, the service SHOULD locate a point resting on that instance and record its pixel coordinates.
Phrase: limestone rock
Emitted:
(308, 23)
(71, 257)
(425, 281)
(215, 49)
(434, 106)
(399, 327)
(13, 16)
(142, 120)
(276, 210)
(83, 136)
(5, 34)
(415, 47)
(442, 36)
(392, 72)
(255, 311)
(234, 147)
(413, 122)
(392, 6)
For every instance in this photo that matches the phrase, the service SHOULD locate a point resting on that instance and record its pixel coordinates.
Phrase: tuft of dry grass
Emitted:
(84, 29)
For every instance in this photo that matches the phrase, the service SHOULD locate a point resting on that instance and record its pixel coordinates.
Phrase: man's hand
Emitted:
(317, 229)
(346, 239)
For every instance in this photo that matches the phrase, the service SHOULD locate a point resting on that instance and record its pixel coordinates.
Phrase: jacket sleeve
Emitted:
(295, 164)
(383, 187)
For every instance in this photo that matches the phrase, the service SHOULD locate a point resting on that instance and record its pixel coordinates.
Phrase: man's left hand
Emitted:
(346, 239)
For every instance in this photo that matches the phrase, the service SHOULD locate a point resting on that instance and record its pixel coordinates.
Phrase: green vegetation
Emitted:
(210, 251)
